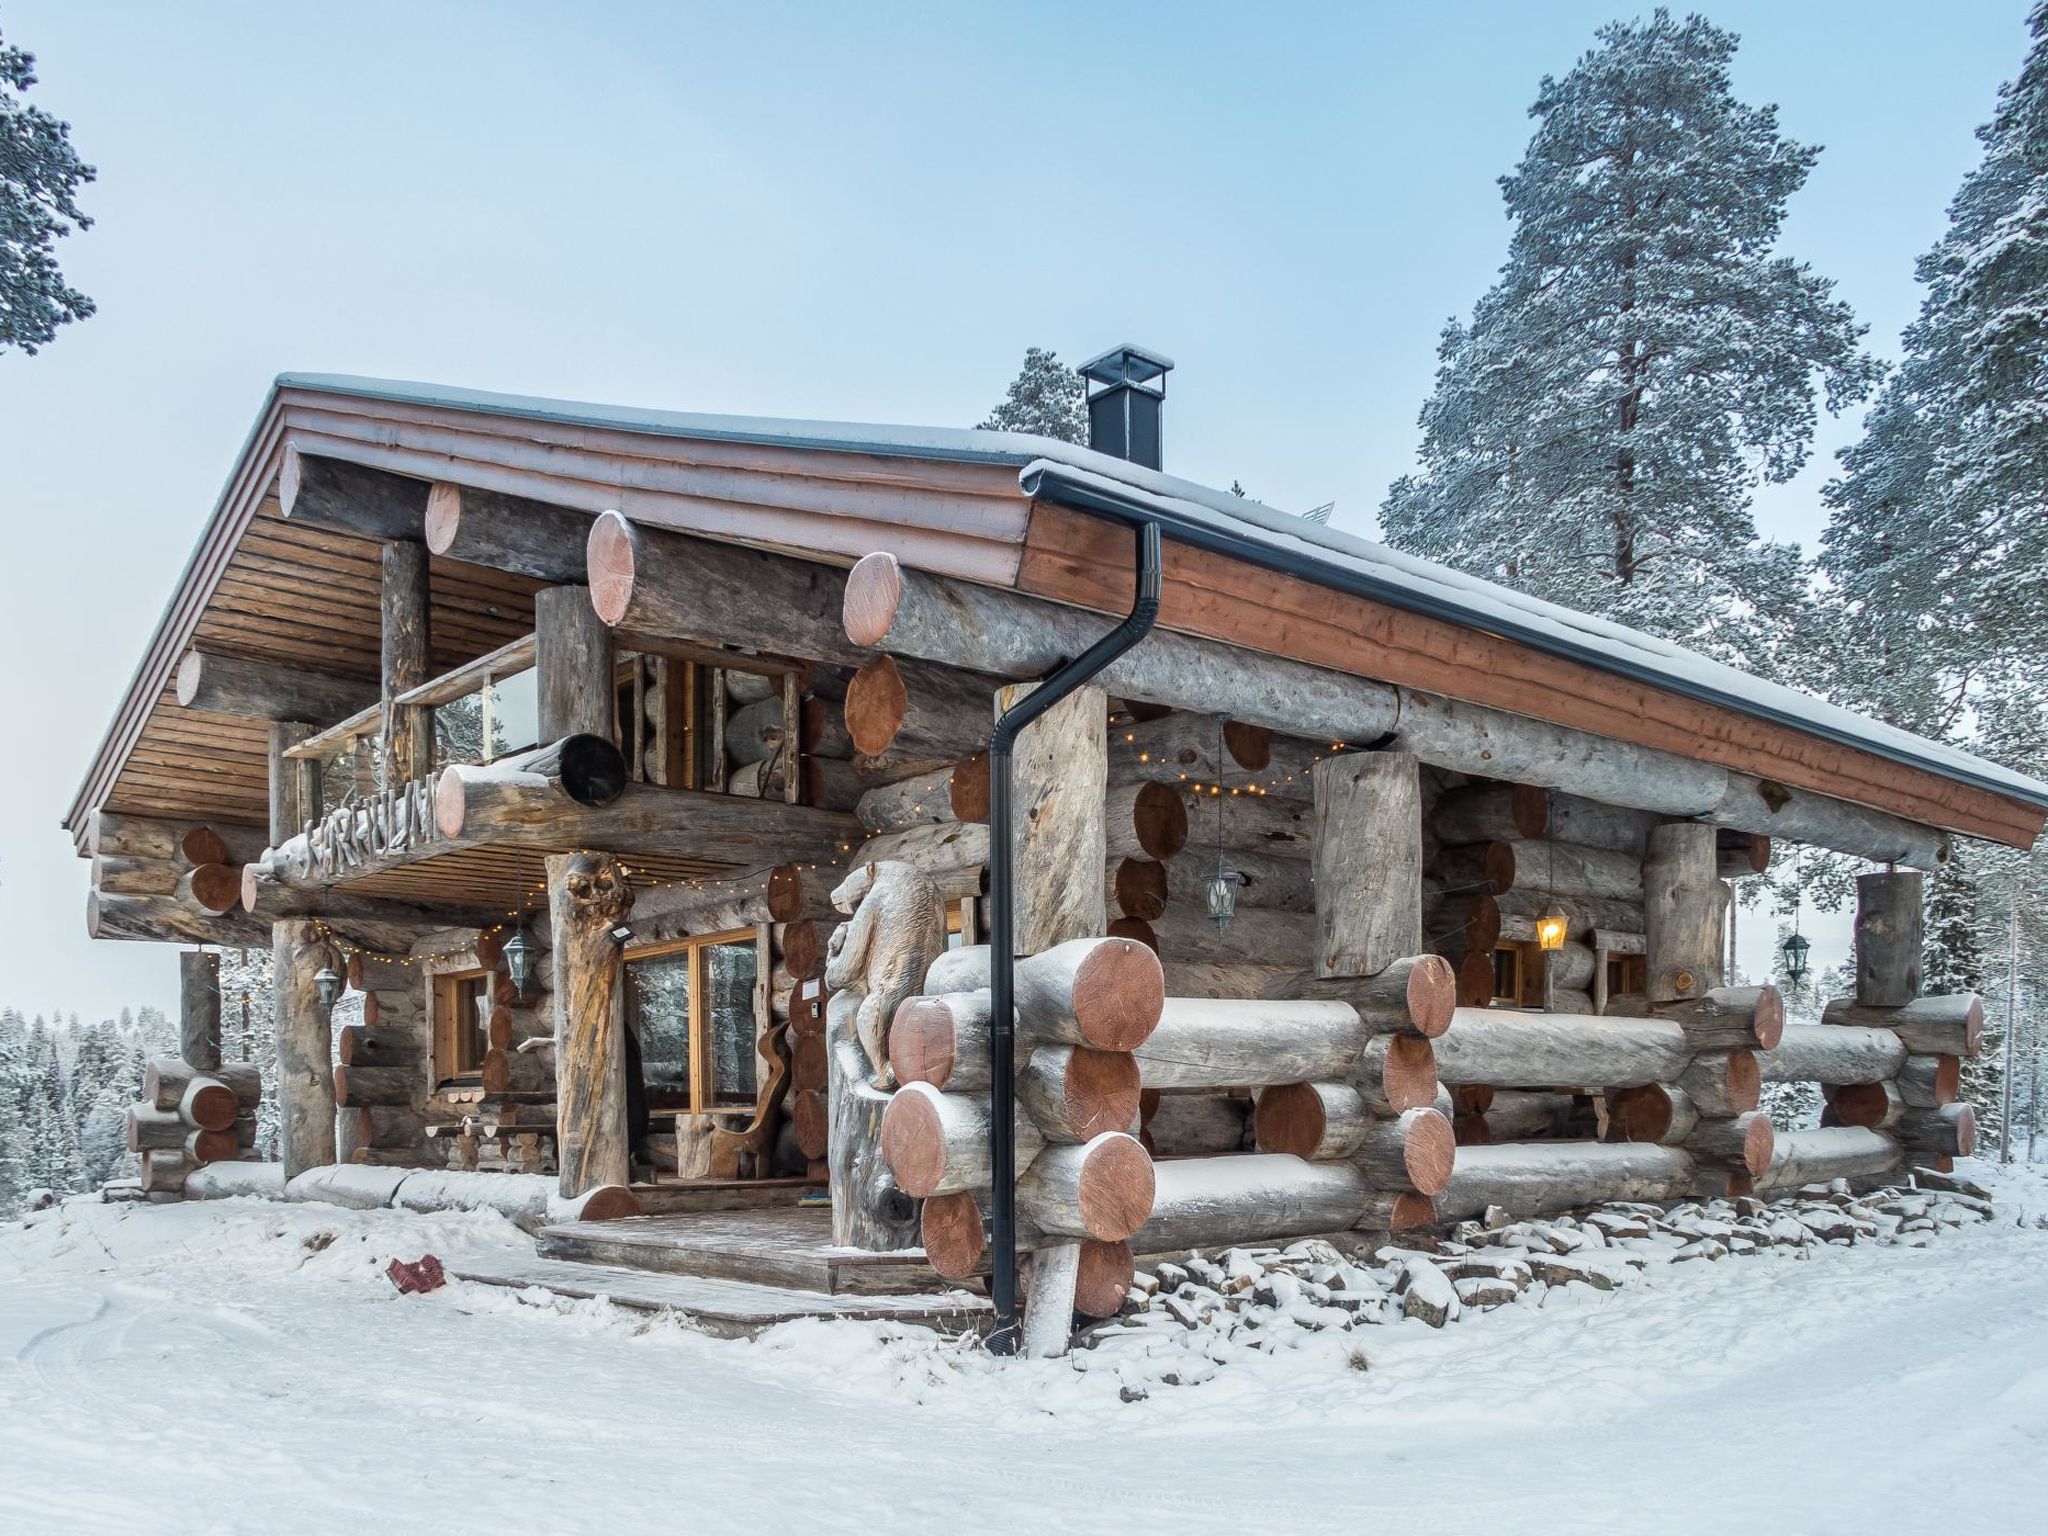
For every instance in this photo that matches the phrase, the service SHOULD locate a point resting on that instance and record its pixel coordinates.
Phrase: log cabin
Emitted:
(1024, 849)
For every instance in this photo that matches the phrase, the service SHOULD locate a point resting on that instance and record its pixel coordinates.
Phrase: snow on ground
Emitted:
(244, 1366)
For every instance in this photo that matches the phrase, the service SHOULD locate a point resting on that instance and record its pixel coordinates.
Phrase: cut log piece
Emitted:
(1475, 867)
(1947, 1025)
(1049, 1277)
(168, 920)
(110, 834)
(1264, 1197)
(952, 1233)
(1324, 1122)
(1416, 994)
(219, 684)
(1950, 1131)
(923, 799)
(1738, 855)
(1145, 821)
(1820, 1053)
(1890, 934)
(1102, 1189)
(1573, 869)
(305, 1046)
(1488, 812)
(529, 788)
(1722, 1083)
(1876, 1106)
(530, 1201)
(1743, 1142)
(1488, 1046)
(1279, 827)
(1183, 749)
(917, 709)
(572, 665)
(355, 1086)
(506, 533)
(755, 732)
(1102, 1280)
(202, 1147)
(1459, 923)
(1074, 1094)
(164, 1172)
(1137, 888)
(516, 1071)
(1799, 1158)
(1256, 936)
(1802, 816)
(199, 1009)
(1367, 861)
(360, 1045)
(1225, 1043)
(1683, 904)
(1396, 1073)
(938, 1143)
(1929, 1082)
(153, 1130)
(1520, 1115)
(1535, 1178)
(1105, 993)
(1730, 1018)
(1056, 792)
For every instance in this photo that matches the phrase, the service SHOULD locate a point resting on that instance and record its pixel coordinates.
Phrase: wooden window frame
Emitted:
(694, 945)
(448, 1021)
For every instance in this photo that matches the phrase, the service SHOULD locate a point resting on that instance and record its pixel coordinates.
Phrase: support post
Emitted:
(1890, 930)
(1367, 858)
(199, 1009)
(572, 663)
(408, 730)
(1682, 905)
(587, 897)
(294, 783)
(305, 1046)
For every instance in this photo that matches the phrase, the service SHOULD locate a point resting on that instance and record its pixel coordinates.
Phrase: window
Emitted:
(1507, 974)
(692, 1005)
(501, 717)
(462, 1002)
(1627, 974)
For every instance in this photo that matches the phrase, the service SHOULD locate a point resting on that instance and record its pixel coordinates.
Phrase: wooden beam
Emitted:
(407, 651)
(266, 690)
(508, 660)
(1890, 930)
(167, 920)
(349, 498)
(573, 665)
(1682, 912)
(1367, 861)
(199, 1009)
(305, 1046)
(294, 783)
(507, 533)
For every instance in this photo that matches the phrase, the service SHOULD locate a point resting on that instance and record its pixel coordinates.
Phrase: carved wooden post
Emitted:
(408, 732)
(1682, 911)
(1890, 930)
(294, 784)
(305, 1046)
(572, 664)
(588, 895)
(199, 1009)
(1367, 859)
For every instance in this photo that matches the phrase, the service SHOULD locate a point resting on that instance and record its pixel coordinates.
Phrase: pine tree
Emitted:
(1046, 398)
(40, 174)
(1644, 360)
(1953, 952)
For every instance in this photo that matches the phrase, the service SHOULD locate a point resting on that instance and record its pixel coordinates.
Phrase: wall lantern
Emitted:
(1220, 896)
(521, 956)
(1551, 928)
(327, 986)
(1795, 957)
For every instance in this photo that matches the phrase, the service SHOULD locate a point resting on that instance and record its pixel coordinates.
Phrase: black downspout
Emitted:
(1002, 1075)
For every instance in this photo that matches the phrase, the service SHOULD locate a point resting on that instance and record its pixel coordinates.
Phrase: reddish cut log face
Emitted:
(1428, 1151)
(914, 1144)
(873, 589)
(1410, 1075)
(1103, 1281)
(203, 845)
(1411, 1213)
(1119, 993)
(1864, 1104)
(1973, 1028)
(217, 887)
(1116, 1188)
(211, 1146)
(950, 1226)
(1136, 930)
(876, 702)
(921, 1042)
(1642, 1113)
(1758, 1141)
(807, 1117)
(1770, 1018)
(213, 1107)
(610, 559)
(1966, 1132)
(1159, 818)
(1745, 1081)
(1948, 1080)
(609, 1202)
(967, 790)
(1433, 995)
(1141, 888)
(1473, 979)
(1101, 1091)
(444, 516)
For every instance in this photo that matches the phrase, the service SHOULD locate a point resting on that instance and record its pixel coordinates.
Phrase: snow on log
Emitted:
(529, 1200)
(1947, 1025)
(1536, 1178)
(527, 789)
(1821, 1053)
(1232, 1043)
(354, 1185)
(1486, 1045)
(1950, 1131)
(1799, 1158)
(1928, 1082)
(227, 1180)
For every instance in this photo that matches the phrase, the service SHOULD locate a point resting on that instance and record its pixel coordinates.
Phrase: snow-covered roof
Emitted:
(1252, 530)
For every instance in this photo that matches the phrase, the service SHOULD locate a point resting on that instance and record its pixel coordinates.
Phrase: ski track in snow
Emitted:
(245, 1367)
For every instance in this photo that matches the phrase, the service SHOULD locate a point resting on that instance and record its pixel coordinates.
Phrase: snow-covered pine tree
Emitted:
(40, 174)
(1047, 398)
(1644, 360)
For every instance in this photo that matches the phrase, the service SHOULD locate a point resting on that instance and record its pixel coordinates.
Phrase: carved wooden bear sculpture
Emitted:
(872, 964)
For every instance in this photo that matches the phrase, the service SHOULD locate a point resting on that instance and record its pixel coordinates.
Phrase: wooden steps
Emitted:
(788, 1247)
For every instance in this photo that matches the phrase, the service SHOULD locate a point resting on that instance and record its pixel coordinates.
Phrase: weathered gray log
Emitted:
(359, 1087)
(119, 875)
(1219, 1202)
(305, 1045)
(1538, 1178)
(199, 1009)
(1482, 867)
(1683, 905)
(952, 854)
(923, 799)
(1416, 994)
(221, 684)
(1256, 936)
(1928, 1082)
(1102, 1188)
(647, 581)
(153, 1130)
(261, 894)
(1518, 1115)
(572, 665)
(1802, 816)
(756, 731)
(1730, 1018)
(1742, 1142)
(1488, 812)
(294, 782)
(1367, 859)
(1218, 1043)
(1488, 1046)
(1571, 967)
(168, 1082)
(1575, 869)
(118, 834)
(1277, 827)
(1282, 885)
(1820, 1053)
(1107, 993)
(1146, 821)
(1946, 1025)
(1072, 1093)
(167, 919)
(365, 503)
(1056, 789)
(1950, 1131)
(1722, 1083)
(1327, 1122)
(407, 661)
(1184, 750)
(506, 533)
(917, 710)
(1738, 855)
(1890, 934)
(587, 895)
(1583, 915)
(1196, 1124)
(938, 1143)
(1799, 1158)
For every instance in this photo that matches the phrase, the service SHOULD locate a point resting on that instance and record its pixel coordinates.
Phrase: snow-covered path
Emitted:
(245, 1367)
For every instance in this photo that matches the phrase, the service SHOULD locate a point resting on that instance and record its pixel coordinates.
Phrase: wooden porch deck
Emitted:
(788, 1247)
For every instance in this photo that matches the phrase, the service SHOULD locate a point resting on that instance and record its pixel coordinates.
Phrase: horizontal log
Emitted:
(923, 799)
(355, 1086)
(529, 1200)
(938, 1143)
(1730, 1018)
(1280, 827)
(151, 1130)
(1822, 1053)
(1799, 1158)
(1537, 1178)
(1487, 812)
(1782, 812)
(1496, 1046)
(1948, 1025)
(952, 854)
(1181, 750)
(120, 834)
(1144, 821)
(1488, 867)
(1102, 1189)
(1220, 1202)
(164, 1171)
(1522, 1115)
(167, 920)
(1722, 1083)
(1255, 936)
(1738, 855)
(360, 1045)
(1950, 1131)
(1459, 923)
(1583, 915)
(1278, 884)
(220, 684)
(506, 533)
(1396, 1073)
(354, 499)
(230, 1180)
(1742, 1143)
(261, 894)
(918, 709)
(119, 875)
(1327, 1121)
(1105, 993)
(1574, 869)
(1928, 1082)
(1224, 1043)
(1074, 1094)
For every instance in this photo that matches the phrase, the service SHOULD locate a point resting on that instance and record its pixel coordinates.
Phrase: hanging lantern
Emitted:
(521, 956)
(327, 986)
(1795, 957)
(1220, 896)
(1551, 928)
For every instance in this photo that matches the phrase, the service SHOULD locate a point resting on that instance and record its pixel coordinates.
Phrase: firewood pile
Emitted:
(195, 1109)
(1186, 1318)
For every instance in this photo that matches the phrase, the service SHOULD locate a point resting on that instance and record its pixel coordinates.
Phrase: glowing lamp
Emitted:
(1550, 930)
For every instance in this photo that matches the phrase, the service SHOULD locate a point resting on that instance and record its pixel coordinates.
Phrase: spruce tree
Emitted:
(1644, 361)
(40, 174)
(1046, 398)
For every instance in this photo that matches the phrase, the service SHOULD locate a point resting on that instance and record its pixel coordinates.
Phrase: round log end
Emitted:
(1101, 1091)
(1103, 1281)
(1745, 1081)
(876, 701)
(444, 516)
(1135, 929)
(1758, 1141)
(1249, 746)
(609, 1202)
(1411, 1213)
(212, 1107)
(785, 893)
(921, 1047)
(212, 1146)
(1499, 866)
(1433, 994)
(807, 1118)
(1964, 1118)
(967, 790)
(1864, 1104)
(203, 845)
(291, 475)
(1472, 1131)
(1471, 1098)
(592, 768)
(450, 802)
(1529, 807)
(1289, 1118)
(1409, 1077)
(803, 948)
(954, 1241)
(1474, 978)
(1119, 993)
(1640, 1113)
(1141, 887)
(1769, 1018)
(495, 1074)
(610, 556)
(1116, 1187)
(1973, 1026)
(873, 589)
(1159, 819)
(217, 887)
(1948, 1079)
(191, 667)
(914, 1140)
(1429, 1147)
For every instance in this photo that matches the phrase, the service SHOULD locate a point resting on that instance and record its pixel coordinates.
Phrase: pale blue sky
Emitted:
(858, 212)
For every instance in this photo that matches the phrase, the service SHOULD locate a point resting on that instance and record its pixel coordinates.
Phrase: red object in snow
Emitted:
(417, 1278)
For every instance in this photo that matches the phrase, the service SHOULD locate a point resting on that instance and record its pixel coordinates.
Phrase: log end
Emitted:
(609, 1202)
(1411, 1213)
(1116, 1187)
(191, 668)
(1769, 1018)
(217, 888)
(786, 893)
(1103, 1281)
(495, 1075)
(1249, 746)
(1119, 993)
(450, 802)
(967, 790)
(1745, 1081)
(291, 478)
(1639, 1113)
(610, 556)
(203, 845)
(212, 1107)
(1101, 1090)
(1429, 1147)
(593, 770)
(876, 701)
(1159, 819)
(874, 587)
(951, 1231)
(914, 1140)
(808, 1119)
(1140, 886)
(1409, 1076)
(1864, 1104)
(1289, 1118)
(1529, 807)
(212, 1146)
(1758, 1141)
(1973, 1026)
(1473, 978)
(444, 516)
(1948, 1079)
(1433, 994)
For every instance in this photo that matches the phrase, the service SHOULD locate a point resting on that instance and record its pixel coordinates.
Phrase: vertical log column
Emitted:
(1683, 907)
(572, 664)
(1890, 932)
(408, 731)
(1057, 775)
(305, 1046)
(587, 895)
(294, 785)
(199, 1010)
(1367, 859)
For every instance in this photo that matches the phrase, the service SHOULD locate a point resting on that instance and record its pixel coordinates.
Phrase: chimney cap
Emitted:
(1125, 365)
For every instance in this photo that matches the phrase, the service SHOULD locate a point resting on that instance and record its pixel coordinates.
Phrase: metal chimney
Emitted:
(1126, 393)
